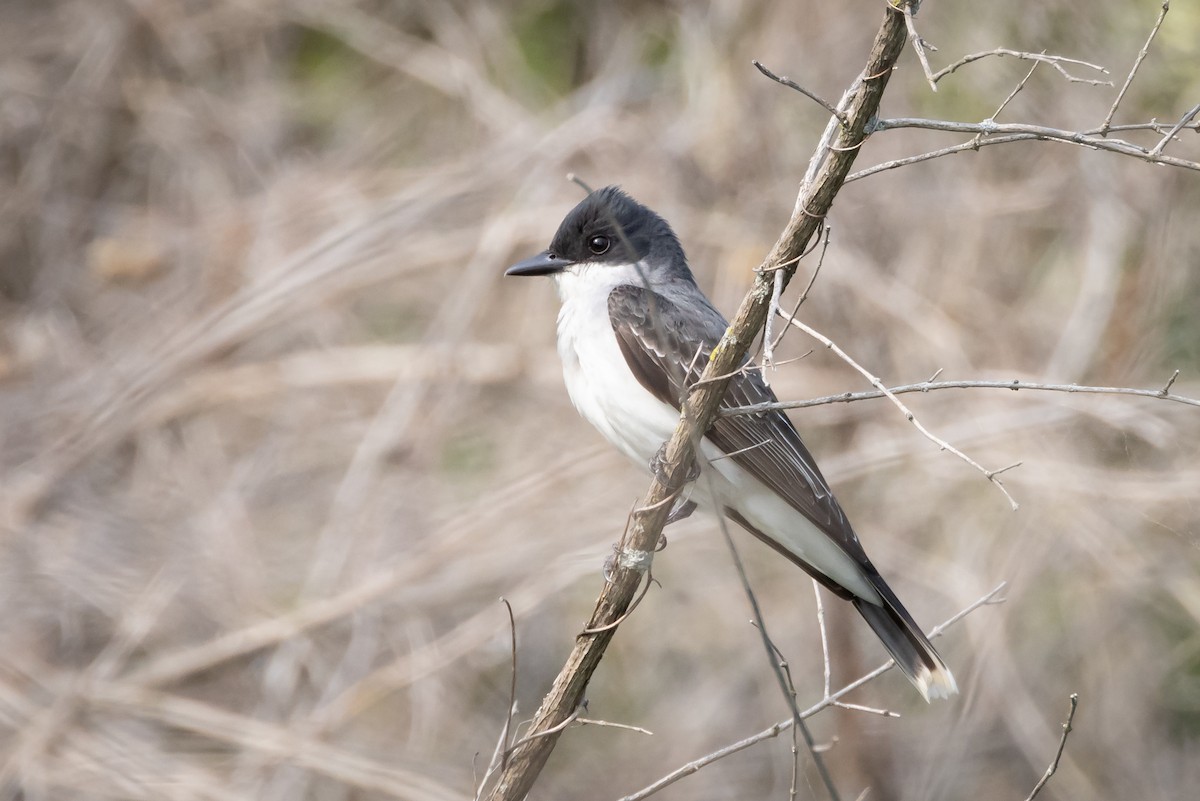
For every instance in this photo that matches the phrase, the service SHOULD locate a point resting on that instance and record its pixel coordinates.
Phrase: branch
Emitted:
(919, 44)
(1054, 61)
(783, 725)
(991, 475)
(1062, 743)
(1179, 126)
(1003, 133)
(1137, 63)
(930, 386)
(779, 664)
(996, 134)
(833, 164)
(789, 83)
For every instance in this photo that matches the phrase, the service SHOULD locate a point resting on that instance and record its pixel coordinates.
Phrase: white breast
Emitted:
(598, 379)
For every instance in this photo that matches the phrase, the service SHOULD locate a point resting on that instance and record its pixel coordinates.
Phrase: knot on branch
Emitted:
(634, 559)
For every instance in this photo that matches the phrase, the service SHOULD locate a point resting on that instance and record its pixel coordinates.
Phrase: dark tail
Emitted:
(906, 643)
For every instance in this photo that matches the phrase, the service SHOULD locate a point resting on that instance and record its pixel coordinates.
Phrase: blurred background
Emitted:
(276, 434)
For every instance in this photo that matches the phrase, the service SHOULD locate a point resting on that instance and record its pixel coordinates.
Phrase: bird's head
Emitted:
(607, 228)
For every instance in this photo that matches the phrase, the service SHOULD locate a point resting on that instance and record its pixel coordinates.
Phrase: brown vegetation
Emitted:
(275, 434)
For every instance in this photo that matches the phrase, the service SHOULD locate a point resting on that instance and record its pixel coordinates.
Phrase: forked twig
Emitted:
(1188, 116)
(919, 44)
(1054, 61)
(776, 729)
(991, 475)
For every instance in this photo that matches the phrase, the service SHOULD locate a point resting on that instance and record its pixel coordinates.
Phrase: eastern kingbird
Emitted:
(634, 331)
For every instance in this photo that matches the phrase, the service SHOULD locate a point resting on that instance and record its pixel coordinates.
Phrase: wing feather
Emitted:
(653, 335)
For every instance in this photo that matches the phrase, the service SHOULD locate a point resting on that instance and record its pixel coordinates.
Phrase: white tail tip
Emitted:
(935, 684)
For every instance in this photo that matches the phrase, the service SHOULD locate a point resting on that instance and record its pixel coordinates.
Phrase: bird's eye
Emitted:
(598, 244)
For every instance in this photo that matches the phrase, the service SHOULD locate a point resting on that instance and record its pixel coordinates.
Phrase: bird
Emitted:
(634, 332)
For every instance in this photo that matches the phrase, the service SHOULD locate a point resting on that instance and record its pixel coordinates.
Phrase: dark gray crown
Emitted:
(610, 226)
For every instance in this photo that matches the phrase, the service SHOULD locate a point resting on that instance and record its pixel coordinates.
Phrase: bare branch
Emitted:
(500, 755)
(768, 341)
(1179, 126)
(612, 725)
(1003, 133)
(783, 725)
(991, 475)
(512, 688)
(824, 637)
(884, 713)
(1054, 61)
(1020, 85)
(1062, 743)
(779, 664)
(812, 280)
(989, 132)
(1019, 132)
(930, 386)
(1137, 63)
(919, 44)
(813, 96)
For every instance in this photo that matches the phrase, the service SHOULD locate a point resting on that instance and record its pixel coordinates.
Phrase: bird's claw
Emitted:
(658, 467)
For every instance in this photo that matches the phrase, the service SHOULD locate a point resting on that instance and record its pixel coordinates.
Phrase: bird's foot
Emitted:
(658, 468)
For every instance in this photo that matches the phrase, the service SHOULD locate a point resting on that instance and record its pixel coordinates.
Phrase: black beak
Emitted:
(544, 263)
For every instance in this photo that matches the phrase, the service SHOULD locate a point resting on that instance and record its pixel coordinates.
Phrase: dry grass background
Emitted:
(275, 434)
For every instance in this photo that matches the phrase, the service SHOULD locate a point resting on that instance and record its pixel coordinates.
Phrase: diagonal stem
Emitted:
(814, 201)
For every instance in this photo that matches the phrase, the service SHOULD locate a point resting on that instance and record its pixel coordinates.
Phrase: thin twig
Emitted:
(1137, 63)
(791, 686)
(919, 44)
(499, 758)
(776, 729)
(931, 386)
(1002, 133)
(567, 721)
(512, 688)
(611, 625)
(1152, 125)
(812, 280)
(813, 96)
(740, 451)
(1023, 137)
(1062, 743)
(990, 475)
(1015, 91)
(824, 637)
(1179, 126)
(886, 713)
(768, 353)
(779, 666)
(992, 119)
(582, 184)
(1054, 61)
(610, 724)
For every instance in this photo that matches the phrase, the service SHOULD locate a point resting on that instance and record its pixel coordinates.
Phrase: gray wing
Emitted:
(667, 351)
